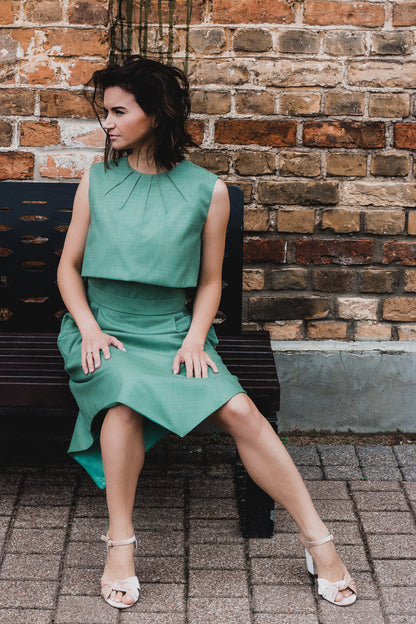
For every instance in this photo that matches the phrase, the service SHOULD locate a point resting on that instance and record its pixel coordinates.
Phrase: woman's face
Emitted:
(127, 125)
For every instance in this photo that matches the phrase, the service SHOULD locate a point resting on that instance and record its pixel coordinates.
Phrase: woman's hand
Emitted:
(195, 359)
(91, 345)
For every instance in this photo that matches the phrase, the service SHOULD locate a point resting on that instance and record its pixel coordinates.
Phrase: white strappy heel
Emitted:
(328, 590)
(130, 586)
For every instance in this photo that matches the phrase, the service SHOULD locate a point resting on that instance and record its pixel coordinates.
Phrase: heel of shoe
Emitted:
(310, 564)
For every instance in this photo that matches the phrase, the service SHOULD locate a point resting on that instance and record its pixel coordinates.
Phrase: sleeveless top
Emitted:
(147, 227)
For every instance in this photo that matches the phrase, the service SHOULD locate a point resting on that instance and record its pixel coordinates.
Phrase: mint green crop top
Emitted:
(147, 227)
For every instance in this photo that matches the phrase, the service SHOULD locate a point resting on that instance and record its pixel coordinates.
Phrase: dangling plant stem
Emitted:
(188, 23)
(170, 32)
(159, 10)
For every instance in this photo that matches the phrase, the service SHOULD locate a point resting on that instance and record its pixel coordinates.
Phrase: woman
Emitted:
(146, 224)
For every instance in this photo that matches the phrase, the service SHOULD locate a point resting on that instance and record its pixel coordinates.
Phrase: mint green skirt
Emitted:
(152, 322)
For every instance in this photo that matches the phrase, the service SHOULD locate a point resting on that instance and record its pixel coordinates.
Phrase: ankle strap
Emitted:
(111, 542)
(324, 540)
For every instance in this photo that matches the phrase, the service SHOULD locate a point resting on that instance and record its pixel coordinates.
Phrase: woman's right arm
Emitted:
(71, 284)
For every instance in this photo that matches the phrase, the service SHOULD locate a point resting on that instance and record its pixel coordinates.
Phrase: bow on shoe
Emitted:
(330, 591)
(130, 586)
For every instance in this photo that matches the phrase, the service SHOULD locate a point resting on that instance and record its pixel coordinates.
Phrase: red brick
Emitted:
(400, 309)
(252, 132)
(17, 102)
(252, 11)
(343, 134)
(81, 71)
(327, 13)
(316, 251)
(285, 330)
(8, 8)
(333, 280)
(16, 166)
(411, 224)
(400, 252)
(39, 74)
(43, 11)
(264, 250)
(6, 133)
(405, 135)
(36, 133)
(74, 42)
(65, 104)
(179, 12)
(327, 330)
(404, 14)
(285, 307)
(298, 192)
(88, 12)
(196, 129)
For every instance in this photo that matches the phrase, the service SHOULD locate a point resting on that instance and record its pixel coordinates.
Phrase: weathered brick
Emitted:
(405, 135)
(39, 133)
(300, 103)
(302, 221)
(384, 221)
(304, 193)
(297, 73)
(410, 280)
(345, 43)
(333, 280)
(196, 129)
(341, 220)
(299, 164)
(316, 251)
(77, 133)
(76, 42)
(327, 13)
(43, 11)
(372, 331)
(249, 12)
(400, 309)
(299, 42)
(7, 12)
(221, 71)
(213, 160)
(344, 134)
(404, 14)
(17, 102)
(389, 105)
(402, 252)
(264, 250)
(286, 279)
(346, 164)
(39, 74)
(382, 74)
(252, 40)
(211, 102)
(253, 279)
(379, 193)
(88, 12)
(247, 187)
(207, 40)
(390, 165)
(327, 330)
(10, 48)
(256, 220)
(65, 164)
(257, 102)
(180, 9)
(343, 103)
(252, 132)
(6, 133)
(285, 330)
(378, 280)
(65, 104)
(407, 332)
(358, 308)
(411, 223)
(255, 163)
(282, 307)
(81, 71)
(16, 166)
(391, 43)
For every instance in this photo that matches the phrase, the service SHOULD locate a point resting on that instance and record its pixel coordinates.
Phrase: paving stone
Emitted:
(210, 508)
(25, 616)
(155, 544)
(167, 597)
(283, 599)
(310, 473)
(268, 618)
(354, 557)
(304, 455)
(210, 556)
(218, 583)
(88, 529)
(37, 495)
(212, 488)
(367, 589)
(401, 573)
(131, 617)
(218, 610)
(361, 611)
(388, 522)
(348, 473)
(281, 544)
(331, 490)
(36, 541)
(402, 619)
(21, 593)
(7, 503)
(156, 517)
(163, 569)
(214, 531)
(339, 455)
(85, 582)
(376, 455)
(159, 497)
(399, 600)
(409, 473)
(223, 471)
(279, 571)
(283, 522)
(345, 532)
(85, 610)
(410, 489)
(335, 510)
(374, 486)
(387, 473)
(378, 501)
(91, 506)
(51, 479)
(28, 567)
(41, 517)
(84, 555)
(9, 484)
(391, 546)
(406, 455)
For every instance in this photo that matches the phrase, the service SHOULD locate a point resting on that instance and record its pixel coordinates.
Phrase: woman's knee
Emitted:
(240, 417)
(124, 414)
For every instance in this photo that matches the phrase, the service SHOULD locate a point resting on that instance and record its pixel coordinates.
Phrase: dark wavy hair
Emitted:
(160, 90)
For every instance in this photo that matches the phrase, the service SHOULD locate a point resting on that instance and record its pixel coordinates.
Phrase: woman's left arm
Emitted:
(208, 292)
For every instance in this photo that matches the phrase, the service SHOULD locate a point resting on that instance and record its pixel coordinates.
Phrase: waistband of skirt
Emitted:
(135, 297)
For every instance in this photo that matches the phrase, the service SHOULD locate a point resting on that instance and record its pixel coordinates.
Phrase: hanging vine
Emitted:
(122, 29)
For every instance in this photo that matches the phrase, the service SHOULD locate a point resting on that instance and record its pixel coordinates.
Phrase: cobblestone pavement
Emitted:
(193, 565)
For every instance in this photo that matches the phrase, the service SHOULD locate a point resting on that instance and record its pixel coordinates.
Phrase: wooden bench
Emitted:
(34, 218)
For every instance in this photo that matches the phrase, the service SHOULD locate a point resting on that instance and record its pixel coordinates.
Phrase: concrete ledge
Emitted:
(364, 387)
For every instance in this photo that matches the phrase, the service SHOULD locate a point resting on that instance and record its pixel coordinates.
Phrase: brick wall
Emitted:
(308, 106)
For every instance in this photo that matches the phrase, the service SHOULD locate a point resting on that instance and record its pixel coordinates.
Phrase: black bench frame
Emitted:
(34, 218)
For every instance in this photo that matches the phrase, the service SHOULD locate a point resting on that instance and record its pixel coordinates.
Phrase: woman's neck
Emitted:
(143, 162)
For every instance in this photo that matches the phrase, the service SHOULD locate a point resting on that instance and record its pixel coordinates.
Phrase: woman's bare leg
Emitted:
(271, 467)
(122, 449)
